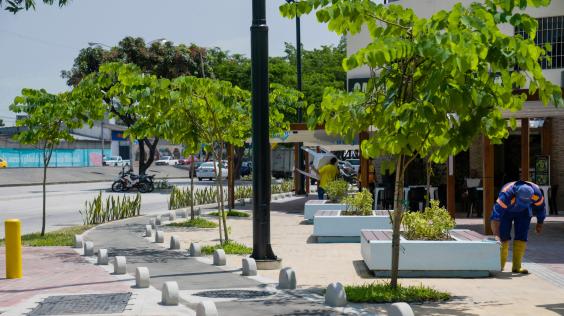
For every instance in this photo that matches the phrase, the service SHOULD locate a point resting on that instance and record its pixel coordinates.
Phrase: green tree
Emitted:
(15, 6)
(49, 120)
(437, 83)
(1, 122)
(139, 101)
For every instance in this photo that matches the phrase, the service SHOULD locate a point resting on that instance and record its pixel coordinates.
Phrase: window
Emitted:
(551, 30)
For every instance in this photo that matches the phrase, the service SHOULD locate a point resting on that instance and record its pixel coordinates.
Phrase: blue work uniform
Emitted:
(507, 211)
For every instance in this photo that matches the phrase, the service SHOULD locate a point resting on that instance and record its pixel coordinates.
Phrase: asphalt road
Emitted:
(65, 200)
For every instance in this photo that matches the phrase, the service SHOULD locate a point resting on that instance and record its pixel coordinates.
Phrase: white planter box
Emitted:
(331, 226)
(469, 255)
(312, 206)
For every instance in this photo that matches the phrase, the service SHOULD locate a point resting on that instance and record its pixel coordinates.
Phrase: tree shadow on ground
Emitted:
(556, 308)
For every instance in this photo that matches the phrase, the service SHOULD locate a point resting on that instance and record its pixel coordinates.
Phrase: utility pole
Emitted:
(262, 249)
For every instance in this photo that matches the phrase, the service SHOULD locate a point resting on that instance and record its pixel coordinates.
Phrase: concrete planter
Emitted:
(468, 255)
(331, 226)
(311, 207)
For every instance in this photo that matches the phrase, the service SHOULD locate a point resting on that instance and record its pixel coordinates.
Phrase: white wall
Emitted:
(426, 8)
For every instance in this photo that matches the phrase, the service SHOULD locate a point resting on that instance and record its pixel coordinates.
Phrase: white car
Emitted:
(115, 161)
(207, 170)
(166, 161)
(355, 164)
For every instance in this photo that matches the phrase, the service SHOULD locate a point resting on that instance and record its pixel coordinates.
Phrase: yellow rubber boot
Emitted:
(519, 247)
(504, 253)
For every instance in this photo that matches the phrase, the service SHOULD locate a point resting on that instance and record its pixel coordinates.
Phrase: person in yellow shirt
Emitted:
(326, 174)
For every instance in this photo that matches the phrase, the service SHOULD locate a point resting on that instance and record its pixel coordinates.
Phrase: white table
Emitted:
(377, 191)
(546, 190)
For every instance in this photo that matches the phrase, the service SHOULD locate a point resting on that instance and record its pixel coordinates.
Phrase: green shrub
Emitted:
(114, 208)
(162, 184)
(433, 223)
(285, 186)
(384, 293)
(197, 222)
(232, 213)
(243, 192)
(359, 204)
(61, 237)
(230, 247)
(337, 190)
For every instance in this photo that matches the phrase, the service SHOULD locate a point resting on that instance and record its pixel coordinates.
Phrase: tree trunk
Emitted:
(47, 153)
(221, 198)
(398, 212)
(145, 164)
(219, 195)
(238, 161)
(141, 154)
(192, 188)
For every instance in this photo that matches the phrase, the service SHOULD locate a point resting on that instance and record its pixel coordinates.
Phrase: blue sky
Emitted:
(36, 45)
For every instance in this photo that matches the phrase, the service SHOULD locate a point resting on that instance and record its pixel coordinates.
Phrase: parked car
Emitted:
(166, 161)
(3, 163)
(196, 165)
(207, 170)
(355, 163)
(115, 161)
(246, 168)
(347, 167)
(187, 160)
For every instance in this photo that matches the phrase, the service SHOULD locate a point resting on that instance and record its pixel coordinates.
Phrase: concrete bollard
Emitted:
(153, 223)
(287, 279)
(335, 295)
(172, 216)
(102, 257)
(142, 277)
(78, 241)
(158, 220)
(174, 242)
(170, 293)
(148, 231)
(195, 250)
(206, 308)
(249, 267)
(88, 248)
(219, 257)
(120, 265)
(400, 309)
(13, 235)
(159, 236)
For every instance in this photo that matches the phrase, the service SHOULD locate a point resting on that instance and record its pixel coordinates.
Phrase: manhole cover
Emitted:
(83, 304)
(242, 294)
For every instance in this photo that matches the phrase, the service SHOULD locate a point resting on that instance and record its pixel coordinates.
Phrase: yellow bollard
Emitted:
(13, 228)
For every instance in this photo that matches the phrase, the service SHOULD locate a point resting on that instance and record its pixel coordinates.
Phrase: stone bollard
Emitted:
(142, 277)
(170, 293)
(249, 267)
(102, 257)
(158, 220)
(120, 265)
(153, 223)
(287, 279)
(148, 231)
(78, 242)
(159, 236)
(400, 309)
(335, 295)
(206, 308)
(174, 242)
(219, 257)
(88, 248)
(195, 250)
(172, 216)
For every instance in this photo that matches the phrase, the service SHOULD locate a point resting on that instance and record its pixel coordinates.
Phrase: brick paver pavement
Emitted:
(55, 270)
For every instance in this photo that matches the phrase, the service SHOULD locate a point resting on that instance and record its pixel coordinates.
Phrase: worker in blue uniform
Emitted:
(517, 203)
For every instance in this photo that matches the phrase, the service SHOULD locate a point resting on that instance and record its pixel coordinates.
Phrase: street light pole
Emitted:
(301, 163)
(262, 249)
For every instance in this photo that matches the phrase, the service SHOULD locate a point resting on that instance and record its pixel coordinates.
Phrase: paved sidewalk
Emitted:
(125, 238)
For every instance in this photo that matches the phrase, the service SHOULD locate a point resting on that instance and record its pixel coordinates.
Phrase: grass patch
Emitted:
(61, 237)
(383, 293)
(197, 222)
(230, 247)
(232, 213)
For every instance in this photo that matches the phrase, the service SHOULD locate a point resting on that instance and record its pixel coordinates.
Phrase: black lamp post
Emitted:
(262, 249)
(301, 181)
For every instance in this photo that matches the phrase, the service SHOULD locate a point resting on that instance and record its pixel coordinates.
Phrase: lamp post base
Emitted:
(269, 264)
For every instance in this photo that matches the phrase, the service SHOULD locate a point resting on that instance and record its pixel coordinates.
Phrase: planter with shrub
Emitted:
(345, 225)
(431, 248)
(336, 191)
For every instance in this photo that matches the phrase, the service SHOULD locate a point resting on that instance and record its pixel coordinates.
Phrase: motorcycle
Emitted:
(128, 179)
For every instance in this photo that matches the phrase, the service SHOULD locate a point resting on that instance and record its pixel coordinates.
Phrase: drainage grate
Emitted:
(83, 304)
(241, 294)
